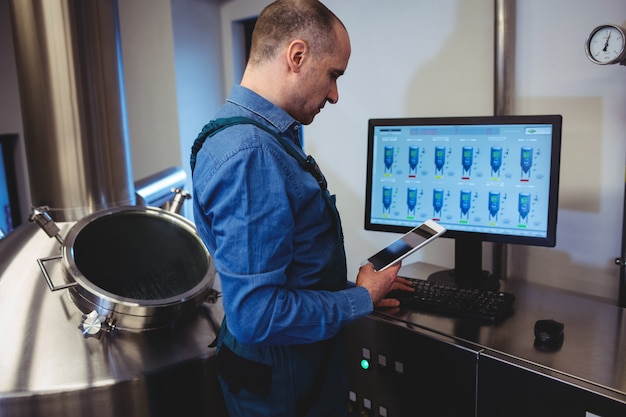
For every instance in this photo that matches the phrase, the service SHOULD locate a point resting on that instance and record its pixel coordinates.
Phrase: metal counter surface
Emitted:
(594, 346)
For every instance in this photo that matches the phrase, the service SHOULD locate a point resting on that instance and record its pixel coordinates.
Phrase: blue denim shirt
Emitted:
(271, 234)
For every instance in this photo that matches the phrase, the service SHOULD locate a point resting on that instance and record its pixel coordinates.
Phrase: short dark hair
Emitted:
(285, 20)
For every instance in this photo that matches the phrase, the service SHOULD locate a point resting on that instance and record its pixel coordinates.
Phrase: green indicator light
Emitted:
(365, 364)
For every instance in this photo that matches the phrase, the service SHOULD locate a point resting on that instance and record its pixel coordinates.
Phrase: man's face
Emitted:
(318, 82)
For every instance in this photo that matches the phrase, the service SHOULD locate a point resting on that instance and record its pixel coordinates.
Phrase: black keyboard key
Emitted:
(453, 301)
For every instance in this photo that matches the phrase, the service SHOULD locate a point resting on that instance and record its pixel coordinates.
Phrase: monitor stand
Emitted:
(468, 271)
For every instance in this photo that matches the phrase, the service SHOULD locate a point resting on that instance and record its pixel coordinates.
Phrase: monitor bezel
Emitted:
(554, 120)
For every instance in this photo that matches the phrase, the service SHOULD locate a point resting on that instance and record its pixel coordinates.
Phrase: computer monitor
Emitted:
(485, 178)
(9, 200)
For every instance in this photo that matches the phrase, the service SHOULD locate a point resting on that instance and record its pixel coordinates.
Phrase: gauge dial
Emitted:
(606, 45)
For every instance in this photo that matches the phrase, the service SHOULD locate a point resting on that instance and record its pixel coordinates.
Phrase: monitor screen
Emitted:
(9, 204)
(488, 178)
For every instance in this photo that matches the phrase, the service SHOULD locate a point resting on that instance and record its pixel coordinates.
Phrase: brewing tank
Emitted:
(51, 366)
(107, 307)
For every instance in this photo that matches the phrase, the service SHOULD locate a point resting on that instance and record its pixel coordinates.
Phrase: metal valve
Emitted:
(42, 218)
(180, 196)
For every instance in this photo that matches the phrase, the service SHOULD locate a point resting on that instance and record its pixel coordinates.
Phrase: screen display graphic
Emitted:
(477, 178)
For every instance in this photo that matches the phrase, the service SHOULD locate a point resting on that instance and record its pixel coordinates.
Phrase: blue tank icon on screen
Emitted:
(467, 159)
(496, 159)
(387, 199)
(523, 207)
(465, 203)
(526, 161)
(388, 158)
(440, 158)
(411, 200)
(494, 204)
(413, 158)
(437, 201)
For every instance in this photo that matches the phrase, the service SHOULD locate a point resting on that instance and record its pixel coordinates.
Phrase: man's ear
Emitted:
(296, 54)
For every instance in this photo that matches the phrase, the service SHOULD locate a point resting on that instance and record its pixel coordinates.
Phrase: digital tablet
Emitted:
(406, 245)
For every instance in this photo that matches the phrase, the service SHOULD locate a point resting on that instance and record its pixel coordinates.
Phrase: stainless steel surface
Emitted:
(48, 368)
(69, 69)
(504, 56)
(409, 371)
(503, 89)
(621, 261)
(595, 332)
(72, 94)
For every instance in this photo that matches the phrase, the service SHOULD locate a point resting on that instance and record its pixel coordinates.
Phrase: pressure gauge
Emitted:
(606, 45)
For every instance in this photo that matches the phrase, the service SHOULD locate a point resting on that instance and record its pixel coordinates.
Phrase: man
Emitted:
(263, 211)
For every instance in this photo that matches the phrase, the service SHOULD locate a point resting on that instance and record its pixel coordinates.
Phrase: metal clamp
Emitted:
(94, 324)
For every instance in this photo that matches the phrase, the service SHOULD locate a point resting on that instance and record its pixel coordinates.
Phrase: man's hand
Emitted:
(380, 283)
(399, 283)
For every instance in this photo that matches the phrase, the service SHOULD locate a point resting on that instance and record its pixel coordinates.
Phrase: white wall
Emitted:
(199, 72)
(554, 75)
(151, 102)
(426, 58)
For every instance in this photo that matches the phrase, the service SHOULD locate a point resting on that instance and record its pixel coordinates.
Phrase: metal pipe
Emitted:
(504, 56)
(68, 58)
(156, 190)
(504, 72)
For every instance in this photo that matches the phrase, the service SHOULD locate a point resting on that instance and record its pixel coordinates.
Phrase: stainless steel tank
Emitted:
(134, 268)
(115, 316)
(48, 367)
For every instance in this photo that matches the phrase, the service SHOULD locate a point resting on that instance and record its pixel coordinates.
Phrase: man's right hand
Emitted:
(379, 283)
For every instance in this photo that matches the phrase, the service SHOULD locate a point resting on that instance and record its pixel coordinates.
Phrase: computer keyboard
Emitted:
(451, 300)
